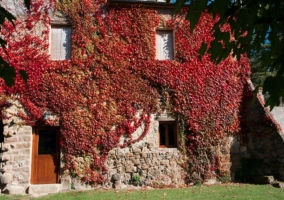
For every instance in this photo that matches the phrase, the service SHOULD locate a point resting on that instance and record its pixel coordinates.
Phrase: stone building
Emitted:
(32, 159)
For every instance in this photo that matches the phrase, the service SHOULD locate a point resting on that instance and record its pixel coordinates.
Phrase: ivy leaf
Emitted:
(24, 76)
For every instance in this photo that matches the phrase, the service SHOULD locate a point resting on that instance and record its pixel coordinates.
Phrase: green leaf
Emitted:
(178, 5)
(195, 11)
(4, 13)
(28, 4)
(8, 74)
(3, 44)
(24, 75)
(202, 50)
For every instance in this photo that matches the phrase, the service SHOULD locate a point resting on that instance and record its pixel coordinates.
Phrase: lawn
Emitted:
(225, 191)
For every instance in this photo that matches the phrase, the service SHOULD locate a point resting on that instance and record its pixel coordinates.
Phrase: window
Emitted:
(164, 45)
(60, 47)
(167, 134)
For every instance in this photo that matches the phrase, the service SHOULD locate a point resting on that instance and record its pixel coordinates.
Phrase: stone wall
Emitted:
(16, 153)
(148, 165)
(259, 150)
(145, 161)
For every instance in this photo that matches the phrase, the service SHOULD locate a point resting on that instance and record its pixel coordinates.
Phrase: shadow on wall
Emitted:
(259, 149)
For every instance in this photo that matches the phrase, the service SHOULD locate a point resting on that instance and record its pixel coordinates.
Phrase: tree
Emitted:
(8, 72)
(259, 72)
(253, 24)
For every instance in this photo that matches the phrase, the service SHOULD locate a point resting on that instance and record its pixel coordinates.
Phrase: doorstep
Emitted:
(42, 189)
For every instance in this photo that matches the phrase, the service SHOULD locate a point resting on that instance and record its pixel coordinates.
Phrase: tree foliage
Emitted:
(253, 24)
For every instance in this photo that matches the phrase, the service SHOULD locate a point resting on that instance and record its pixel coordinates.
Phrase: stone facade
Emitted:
(146, 161)
(143, 160)
(16, 153)
(259, 150)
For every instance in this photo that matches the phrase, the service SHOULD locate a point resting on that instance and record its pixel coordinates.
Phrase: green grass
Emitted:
(225, 191)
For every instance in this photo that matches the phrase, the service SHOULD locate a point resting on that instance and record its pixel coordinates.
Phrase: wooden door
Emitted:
(45, 155)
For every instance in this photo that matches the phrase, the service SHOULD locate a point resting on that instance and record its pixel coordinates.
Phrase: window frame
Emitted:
(173, 41)
(50, 39)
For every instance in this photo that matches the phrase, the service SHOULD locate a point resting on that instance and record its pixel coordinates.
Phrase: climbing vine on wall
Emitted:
(111, 85)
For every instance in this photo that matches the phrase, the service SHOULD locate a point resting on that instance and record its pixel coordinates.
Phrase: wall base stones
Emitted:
(142, 166)
(259, 150)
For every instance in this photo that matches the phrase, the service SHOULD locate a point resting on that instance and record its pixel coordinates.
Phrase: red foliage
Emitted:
(113, 75)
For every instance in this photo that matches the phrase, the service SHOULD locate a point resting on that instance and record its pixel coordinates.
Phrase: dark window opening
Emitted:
(167, 134)
(47, 142)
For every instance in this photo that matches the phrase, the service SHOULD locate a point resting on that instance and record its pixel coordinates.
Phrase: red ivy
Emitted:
(113, 75)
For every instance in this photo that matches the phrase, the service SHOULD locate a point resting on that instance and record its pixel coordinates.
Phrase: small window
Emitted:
(164, 45)
(47, 141)
(60, 46)
(167, 134)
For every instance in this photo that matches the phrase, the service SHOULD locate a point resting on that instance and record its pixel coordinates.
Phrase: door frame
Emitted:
(34, 152)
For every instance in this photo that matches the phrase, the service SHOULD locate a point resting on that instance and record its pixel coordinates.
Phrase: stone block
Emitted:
(210, 182)
(27, 138)
(173, 164)
(16, 190)
(12, 153)
(116, 177)
(8, 134)
(5, 158)
(26, 151)
(136, 161)
(10, 139)
(144, 166)
(150, 145)
(128, 169)
(165, 162)
(129, 155)
(20, 158)
(7, 168)
(5, 147)
(278, 184)
(154, 172)
(148, 160)
(24, 132)
(22, 169)
(110, 162)
(136, 151)
(119, 185)
(26, 128)
(66, 183)
(111, 152)
(6, 178)
(44, 189)
(144, 155)
(134, 169)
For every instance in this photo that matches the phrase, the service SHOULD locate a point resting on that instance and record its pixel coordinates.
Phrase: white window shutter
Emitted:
(60, 47)
(164, 45)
